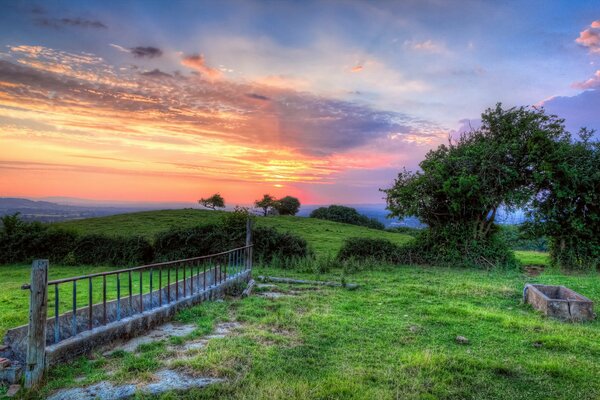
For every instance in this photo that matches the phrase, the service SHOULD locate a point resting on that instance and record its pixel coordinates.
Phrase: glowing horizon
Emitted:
(107, 114)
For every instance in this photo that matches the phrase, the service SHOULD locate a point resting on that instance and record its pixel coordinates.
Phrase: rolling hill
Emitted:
(325, 237)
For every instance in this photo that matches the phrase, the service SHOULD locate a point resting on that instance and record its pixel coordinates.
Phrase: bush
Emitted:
(516, 239)
(24, 242)
(178, 243)
(122, 251)
(209, 239)
(454, 245)
(347, 215)
(269, 243)
(430, 248)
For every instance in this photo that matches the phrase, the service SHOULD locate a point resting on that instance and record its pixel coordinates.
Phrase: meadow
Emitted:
(394, 337)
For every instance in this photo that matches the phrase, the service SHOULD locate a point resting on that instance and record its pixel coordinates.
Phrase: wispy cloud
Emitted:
(426, 46)
(592, 83)
(58, 23)
(198, 63)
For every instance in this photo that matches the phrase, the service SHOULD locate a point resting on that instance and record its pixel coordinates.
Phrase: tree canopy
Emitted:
(213, 202)
(514, 160)
(347, 215)
(287, 205)
(266, 203)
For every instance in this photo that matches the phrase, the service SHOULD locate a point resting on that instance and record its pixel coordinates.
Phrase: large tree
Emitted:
(213, 202)
(462, 185)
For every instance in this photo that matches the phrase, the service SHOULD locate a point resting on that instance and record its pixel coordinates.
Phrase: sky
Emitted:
(323, 100)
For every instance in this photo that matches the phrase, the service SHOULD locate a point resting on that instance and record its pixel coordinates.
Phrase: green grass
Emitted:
(530, 257)
(392, 338)
(325, 237)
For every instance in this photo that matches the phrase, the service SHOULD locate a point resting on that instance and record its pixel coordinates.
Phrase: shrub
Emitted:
(517, 239)
(368, 248)
(123, 251)
(269, 243)
(347, 215)
(178, 243)
(208, 239)
(22, 242)
(454, 246)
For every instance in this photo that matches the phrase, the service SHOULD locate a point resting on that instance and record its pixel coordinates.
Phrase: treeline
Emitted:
(22, 241)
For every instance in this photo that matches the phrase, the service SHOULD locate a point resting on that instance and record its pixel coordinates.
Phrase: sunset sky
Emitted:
(323, 100)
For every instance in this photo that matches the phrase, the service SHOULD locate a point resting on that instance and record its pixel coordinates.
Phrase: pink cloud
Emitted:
(592, 83)
(590, 37)
(197, 62)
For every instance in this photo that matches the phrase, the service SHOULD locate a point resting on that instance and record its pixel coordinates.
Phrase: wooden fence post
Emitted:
(36, 336)
(248, 243)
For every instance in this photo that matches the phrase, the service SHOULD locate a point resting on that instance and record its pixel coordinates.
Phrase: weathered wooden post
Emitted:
(248, 243)
(36, 336)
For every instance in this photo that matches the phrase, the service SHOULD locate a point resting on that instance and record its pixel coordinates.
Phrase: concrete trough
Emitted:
(559, 302)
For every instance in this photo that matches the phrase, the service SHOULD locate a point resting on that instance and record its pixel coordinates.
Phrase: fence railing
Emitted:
(99, 299)
(131, 291)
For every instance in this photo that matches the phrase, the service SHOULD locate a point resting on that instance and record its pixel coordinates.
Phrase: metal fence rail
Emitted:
(141, 288)
(153, 288)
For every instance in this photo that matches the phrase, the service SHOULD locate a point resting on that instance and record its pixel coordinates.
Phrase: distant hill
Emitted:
(46, 211)
(65, 209)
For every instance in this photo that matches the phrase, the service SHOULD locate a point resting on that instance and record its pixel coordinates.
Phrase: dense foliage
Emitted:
(287, 205)
(368, 248)
(22, 242)
(517, 238)
(110, 250)
(346, 215)
(266, 204)
(567, 208)
(519, 157)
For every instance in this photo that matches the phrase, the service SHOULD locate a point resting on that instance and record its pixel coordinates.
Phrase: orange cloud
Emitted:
(357, 68)
(596, 24)
(197, 62)
(75, 121)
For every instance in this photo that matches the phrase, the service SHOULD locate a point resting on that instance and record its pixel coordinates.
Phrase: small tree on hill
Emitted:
(287, 205)
(266, 203)
(213, 202)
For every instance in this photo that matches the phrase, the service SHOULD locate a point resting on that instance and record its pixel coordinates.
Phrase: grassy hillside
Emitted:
(325, 237)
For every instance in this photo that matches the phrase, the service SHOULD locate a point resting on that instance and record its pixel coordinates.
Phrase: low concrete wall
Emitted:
(132, 322)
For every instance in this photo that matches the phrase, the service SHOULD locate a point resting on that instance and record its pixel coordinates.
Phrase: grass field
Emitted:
(392, 338)
(325, 237)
